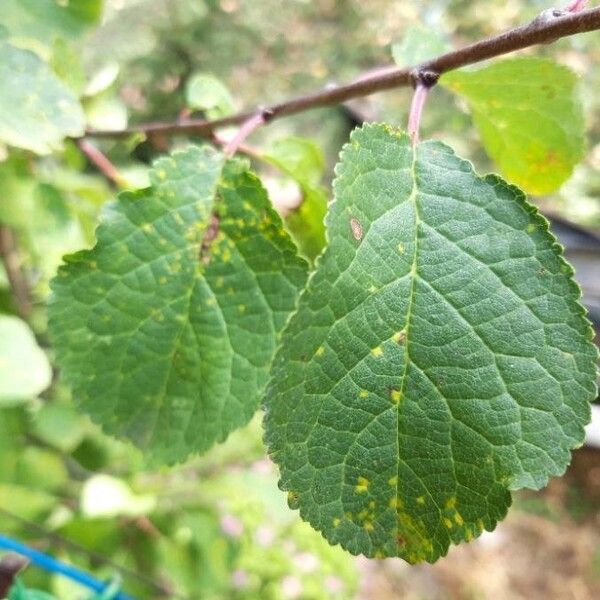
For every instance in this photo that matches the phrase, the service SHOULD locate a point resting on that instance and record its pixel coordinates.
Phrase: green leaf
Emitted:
(418, 45)
(438, 359)
(44, 20)
(302, 159)
(36, 109)
(19, 592)
(24, 368)
(66, 62)
(205, 92)
(166, 329)
(529, 116)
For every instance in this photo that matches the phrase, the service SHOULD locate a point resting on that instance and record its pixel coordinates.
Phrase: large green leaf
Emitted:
(36, 109)
(530, 118)
(24, 368)
(438, 358)
(166, 329)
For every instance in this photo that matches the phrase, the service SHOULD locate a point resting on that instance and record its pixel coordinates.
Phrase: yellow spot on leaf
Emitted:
(336, 522)
(377, 352)
(362, 485)
(320, 351)
(421, 500)
(401, 248)
(399, 337)
(393, 481)
(363, 394)
(395, 396)
(448, 523)
(451, 503)
(458, 520)
(368, 526)
(395, 502)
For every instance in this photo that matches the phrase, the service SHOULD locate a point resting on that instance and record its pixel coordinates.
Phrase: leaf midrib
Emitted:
(413, 274)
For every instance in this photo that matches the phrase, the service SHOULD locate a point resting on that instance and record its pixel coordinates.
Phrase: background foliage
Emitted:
(218, 527)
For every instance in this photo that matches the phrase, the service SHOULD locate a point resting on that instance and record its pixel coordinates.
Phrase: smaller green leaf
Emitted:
(24, 368)
(302, 159)
(418, 45)
(529, 116)
(36, 109)
(166, 328)
(66, 62)
(205, 92)
(306, 223)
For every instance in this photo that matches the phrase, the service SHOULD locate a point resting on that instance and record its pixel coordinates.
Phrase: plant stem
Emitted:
(416, 111)
(550, 26)
(101, 162)
(252, 124)
(19, 286)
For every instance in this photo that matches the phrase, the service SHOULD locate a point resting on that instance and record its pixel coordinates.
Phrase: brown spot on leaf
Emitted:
(357, 230)
(209, 236)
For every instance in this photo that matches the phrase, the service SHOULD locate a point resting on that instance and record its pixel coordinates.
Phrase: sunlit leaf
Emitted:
(529, 116)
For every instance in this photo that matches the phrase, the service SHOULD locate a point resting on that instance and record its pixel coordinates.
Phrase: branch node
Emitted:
(425, 77)
(267, 114)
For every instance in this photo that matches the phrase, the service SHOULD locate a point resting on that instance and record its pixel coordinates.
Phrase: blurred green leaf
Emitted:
(418, 45)
(206, 92)
(26, 502)
(24, 368)
(302, 160)
(44, 20)
(65, 61)
(529, 116)
(40, 468)
(60, 425)
(20, 592)
(36, 109)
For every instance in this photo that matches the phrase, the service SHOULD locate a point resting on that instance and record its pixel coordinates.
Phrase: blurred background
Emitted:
(218, 527)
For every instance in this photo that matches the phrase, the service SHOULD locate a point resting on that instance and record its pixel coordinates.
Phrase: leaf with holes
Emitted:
(438, 358)
(166, 328)
(530, 118)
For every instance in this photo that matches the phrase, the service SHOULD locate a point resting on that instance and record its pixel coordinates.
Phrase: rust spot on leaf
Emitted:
(357, 230)
(209, 236)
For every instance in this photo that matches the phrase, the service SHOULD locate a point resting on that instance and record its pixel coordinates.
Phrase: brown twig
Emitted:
(11, 260)
(548, 27)
(101, 162)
